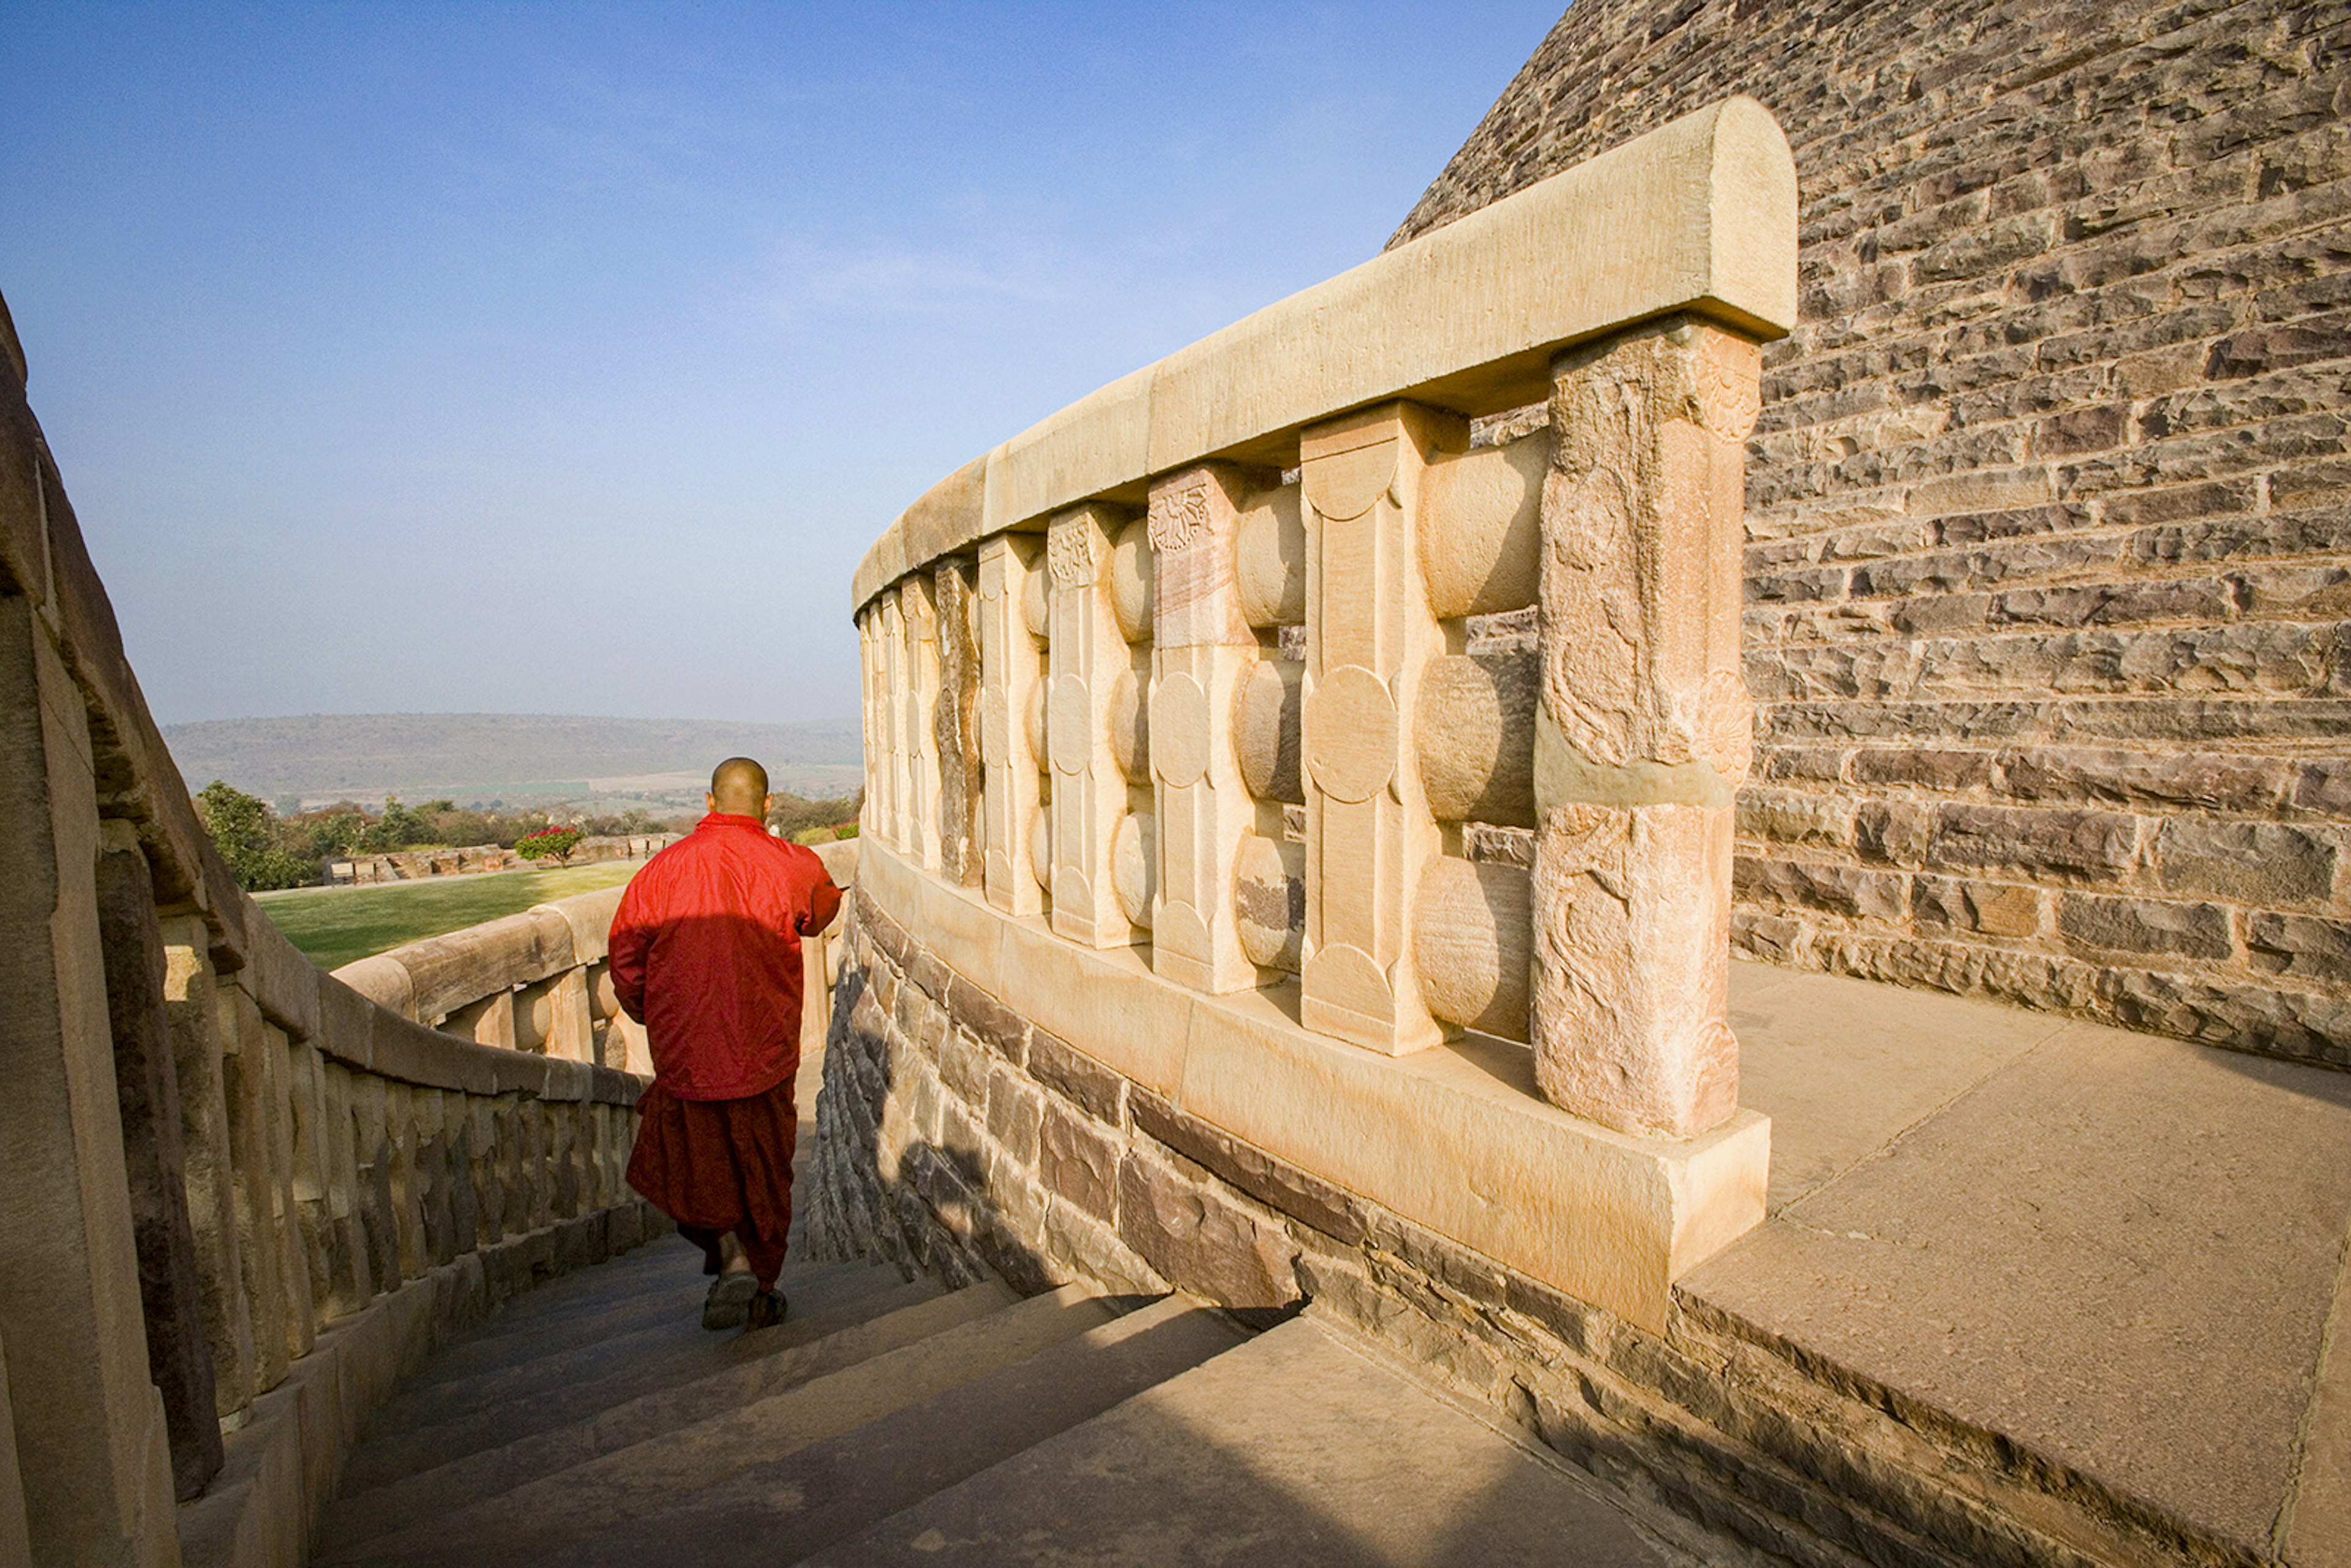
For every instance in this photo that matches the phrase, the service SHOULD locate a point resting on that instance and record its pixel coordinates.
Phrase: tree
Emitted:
(549, 842)
(248, 836)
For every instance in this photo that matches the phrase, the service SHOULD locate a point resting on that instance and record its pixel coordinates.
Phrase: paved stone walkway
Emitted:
(2127, 1253)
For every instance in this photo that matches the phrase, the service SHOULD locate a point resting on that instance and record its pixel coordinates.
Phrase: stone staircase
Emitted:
(596, 1422)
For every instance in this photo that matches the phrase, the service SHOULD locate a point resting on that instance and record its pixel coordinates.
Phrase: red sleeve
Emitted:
(625, 950)
(824, 903)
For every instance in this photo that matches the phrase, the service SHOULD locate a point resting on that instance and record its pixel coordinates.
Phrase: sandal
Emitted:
(730, 1296)
(765, 1311)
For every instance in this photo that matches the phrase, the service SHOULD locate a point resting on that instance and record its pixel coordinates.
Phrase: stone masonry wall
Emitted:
(2049, 510)
(956, 1138)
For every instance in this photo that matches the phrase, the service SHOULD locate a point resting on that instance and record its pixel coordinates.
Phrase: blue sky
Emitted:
(565, 359)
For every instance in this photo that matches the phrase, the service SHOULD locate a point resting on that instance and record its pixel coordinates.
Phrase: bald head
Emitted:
(739, 787)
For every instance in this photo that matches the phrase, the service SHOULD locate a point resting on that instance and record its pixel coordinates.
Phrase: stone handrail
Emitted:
(1223, 676)
(533, 981)
(242, 1195)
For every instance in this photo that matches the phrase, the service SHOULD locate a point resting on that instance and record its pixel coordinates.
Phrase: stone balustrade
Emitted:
(241, 1195)
(1280, 811)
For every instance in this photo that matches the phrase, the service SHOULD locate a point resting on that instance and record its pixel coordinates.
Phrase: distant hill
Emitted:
(368, 755)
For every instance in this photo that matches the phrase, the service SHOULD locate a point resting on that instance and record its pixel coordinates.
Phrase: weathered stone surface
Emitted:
(1266, 729)
(2244, 862)
(1305, 1197)
(1201, 1240)
(1471, 930)
(1475, 732)
(2144, 925)
(1078, 1162)
(1076, 1077)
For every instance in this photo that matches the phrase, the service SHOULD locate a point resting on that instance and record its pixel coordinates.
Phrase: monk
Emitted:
(705, 953)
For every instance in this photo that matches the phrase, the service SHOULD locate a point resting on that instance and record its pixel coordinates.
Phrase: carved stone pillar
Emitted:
(1643, 732)
(919, 697)
(955, 722)
(1010, 674)
(891, 664)
(1203, 648)
(1088, 655)
(870, 816)
(1369, 635)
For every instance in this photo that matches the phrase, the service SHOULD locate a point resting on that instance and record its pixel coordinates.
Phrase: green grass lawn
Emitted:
(334, 925)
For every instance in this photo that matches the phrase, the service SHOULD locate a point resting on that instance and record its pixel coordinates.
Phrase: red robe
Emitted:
(706, 952)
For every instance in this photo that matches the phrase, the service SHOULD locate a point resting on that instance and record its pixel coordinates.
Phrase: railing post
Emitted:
(918, 608)
(896, 780)
(1642, 731)
(1369, 635)
(1010, 676)
(245, 1076)
(955, 727)
(191, 997)
(1202, 649)
(1090, 661)
(147, 1085)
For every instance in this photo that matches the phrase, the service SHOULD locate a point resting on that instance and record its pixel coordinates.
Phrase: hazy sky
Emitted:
(566, 359)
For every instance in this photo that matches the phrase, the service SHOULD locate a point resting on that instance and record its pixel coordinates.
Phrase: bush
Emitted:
(549, 843)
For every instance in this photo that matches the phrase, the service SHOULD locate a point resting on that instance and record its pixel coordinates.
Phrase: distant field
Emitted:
(333, 925)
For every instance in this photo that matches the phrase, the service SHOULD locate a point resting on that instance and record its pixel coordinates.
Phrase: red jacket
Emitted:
(705, 953)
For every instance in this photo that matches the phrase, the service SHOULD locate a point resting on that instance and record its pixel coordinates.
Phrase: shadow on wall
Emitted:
(904, 1169)
(1271, 1463)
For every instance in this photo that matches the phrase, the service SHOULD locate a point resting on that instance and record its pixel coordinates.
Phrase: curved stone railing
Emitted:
(537, 981)
(533, 981)
(1272, 717)
(241, 1195)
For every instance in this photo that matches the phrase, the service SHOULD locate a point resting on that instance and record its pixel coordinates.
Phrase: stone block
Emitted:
(1202, 1240)
(1795, 817)
(1840, 889)
(964, 1066)
(1016, 1113)
(2244, 862)
(2307, 947)
(1077, 1077)
(1077, 1245)
(2092, 922)
(1078, 1162)
(1994, 908)
(1306, 1198)
(2093, 846)
(1894, 832)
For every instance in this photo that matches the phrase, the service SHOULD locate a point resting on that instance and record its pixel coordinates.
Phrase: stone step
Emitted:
(427, 1494)
(650, 1478)
(495, 1349)
(786, 1508)
(429, 1400)
(1296, 1451)
(399, 1449)
(655, 1261)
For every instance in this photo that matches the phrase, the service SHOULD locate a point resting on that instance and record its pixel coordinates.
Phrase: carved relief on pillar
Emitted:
(1011, 677)
(1370, 635)
(954, 723)
(1643, 729)
(1203, 648)
(1088, 654)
